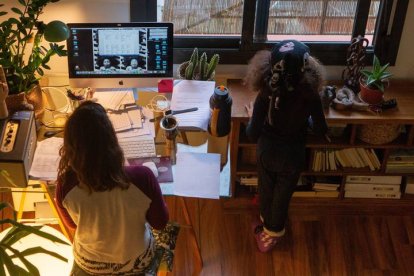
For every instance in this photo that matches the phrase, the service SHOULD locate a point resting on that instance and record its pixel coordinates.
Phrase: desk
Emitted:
(167, 190)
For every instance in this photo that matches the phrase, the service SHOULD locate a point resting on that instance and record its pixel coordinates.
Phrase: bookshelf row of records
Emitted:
(355, 186)
(335, 159)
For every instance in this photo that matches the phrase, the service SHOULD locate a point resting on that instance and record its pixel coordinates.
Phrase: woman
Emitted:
(108, 205)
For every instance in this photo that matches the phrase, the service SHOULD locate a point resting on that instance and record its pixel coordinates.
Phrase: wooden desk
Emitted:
(403, 115)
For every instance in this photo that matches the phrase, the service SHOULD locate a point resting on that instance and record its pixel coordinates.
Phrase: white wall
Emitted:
(118, 11)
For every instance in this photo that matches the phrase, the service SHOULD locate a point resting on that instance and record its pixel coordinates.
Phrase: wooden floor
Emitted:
(317, 242)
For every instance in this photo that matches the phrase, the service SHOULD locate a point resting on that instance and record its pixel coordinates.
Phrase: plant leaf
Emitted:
(16, 10)
(30, 267)
(38, 249)
(35, 231)
(3, 13)
(10, 266)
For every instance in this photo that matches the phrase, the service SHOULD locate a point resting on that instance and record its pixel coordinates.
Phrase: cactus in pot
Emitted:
(198, 68)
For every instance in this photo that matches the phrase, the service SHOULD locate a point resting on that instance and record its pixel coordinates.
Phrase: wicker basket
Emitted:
(378, 134)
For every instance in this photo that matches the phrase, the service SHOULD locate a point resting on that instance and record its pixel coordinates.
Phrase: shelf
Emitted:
(243, 152)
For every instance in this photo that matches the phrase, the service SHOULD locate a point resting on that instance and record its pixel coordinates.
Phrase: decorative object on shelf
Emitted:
(327, 95)
(355, 61)
(345, 99)
(198, 68)
(12, 238)
(23, 57)
(378, 134)
(372, 82)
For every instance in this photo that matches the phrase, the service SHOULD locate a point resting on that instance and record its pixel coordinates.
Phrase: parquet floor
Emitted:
(315, 244)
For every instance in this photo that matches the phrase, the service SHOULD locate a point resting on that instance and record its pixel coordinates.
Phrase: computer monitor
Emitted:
(119, 55)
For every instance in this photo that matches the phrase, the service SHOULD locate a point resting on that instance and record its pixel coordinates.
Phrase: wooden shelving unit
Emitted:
(243, 163)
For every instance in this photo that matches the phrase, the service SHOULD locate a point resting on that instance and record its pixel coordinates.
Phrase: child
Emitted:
(107, 204)
(288, 80)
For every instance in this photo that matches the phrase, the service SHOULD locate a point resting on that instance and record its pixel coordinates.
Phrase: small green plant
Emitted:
(21, 55)
(199, 68)
(379, 75)
(15, 234)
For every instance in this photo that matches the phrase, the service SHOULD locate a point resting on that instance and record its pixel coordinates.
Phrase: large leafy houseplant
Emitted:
(14, 235)
(22, 56)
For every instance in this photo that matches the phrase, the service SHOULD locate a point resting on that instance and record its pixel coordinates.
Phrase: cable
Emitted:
(154, 104)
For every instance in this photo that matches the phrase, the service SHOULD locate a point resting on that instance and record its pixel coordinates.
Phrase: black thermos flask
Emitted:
(220, 108)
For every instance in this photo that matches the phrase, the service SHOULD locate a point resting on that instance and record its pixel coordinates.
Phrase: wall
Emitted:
(118, 11)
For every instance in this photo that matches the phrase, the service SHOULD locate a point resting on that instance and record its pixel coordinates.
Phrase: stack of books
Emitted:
(400, 161)
(362, 186)
(248, 180)
(331, 160)
(319, 188)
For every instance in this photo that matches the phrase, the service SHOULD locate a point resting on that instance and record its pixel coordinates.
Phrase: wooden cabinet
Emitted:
(242, 152)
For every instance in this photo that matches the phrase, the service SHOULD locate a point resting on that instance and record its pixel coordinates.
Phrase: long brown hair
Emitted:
(90, 153)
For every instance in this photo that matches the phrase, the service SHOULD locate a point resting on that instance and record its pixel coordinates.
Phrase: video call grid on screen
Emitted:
(128, 50)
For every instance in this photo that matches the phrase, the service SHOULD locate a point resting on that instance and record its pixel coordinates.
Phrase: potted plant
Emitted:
(198, 68)
(372, 82)
(14, 235)
(22, 56)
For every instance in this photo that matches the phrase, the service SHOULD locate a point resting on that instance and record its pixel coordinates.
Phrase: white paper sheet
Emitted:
(197, 175)
(46, 159)
(191, 93)
(115, 99)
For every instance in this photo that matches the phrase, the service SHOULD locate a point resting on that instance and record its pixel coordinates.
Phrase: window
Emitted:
(237, 29)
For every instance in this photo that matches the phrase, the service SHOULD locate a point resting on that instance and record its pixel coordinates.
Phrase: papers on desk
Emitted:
(191, 93)
(115, 100)
(129, 118)
(46, 159)
(197, 175)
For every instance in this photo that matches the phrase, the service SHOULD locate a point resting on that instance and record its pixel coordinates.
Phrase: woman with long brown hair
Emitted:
(107, 204)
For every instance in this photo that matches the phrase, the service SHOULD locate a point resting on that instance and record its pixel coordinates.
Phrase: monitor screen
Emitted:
(117, 55)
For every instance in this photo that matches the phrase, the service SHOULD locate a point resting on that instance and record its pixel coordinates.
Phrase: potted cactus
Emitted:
(198, 68)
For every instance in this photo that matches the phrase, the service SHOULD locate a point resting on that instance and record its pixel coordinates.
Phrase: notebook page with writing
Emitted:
(191, 93)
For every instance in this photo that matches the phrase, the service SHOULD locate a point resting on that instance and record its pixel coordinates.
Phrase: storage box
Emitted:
(371, 179)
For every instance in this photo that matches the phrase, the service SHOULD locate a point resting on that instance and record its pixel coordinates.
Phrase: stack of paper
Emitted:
(46, 159)
(189, 94)
(115, 100)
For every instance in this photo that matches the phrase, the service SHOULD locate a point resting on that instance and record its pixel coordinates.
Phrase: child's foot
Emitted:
(264, 241)
(256, 221)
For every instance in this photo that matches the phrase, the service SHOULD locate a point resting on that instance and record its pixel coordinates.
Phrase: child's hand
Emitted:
(249, 109)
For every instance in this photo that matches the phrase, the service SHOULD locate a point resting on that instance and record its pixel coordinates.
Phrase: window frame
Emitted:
(239, 49)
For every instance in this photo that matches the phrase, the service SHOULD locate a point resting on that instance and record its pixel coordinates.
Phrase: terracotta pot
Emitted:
(33, 100)
(370, 96)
